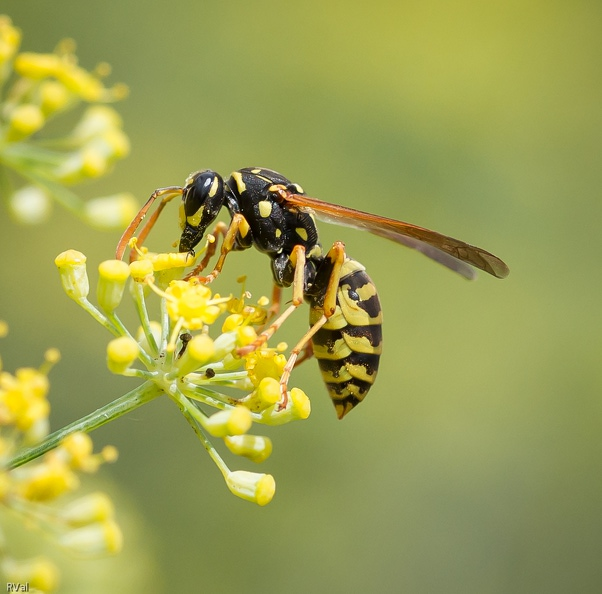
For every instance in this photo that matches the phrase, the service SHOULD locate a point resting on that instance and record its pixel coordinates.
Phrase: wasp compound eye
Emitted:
(202, 199)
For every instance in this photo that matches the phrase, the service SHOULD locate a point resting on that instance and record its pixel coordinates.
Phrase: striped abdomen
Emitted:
(348, 346)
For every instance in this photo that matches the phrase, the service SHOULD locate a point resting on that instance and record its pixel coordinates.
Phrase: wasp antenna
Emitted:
(169, 193)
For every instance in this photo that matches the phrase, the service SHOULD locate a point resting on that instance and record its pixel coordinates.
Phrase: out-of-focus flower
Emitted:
(34, 492)
(39, 87)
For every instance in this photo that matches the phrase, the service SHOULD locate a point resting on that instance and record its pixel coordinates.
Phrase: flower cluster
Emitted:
(182, 355)
(84, 525)
(40, 87)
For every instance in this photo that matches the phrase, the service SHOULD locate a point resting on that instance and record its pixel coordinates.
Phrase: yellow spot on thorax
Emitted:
(302, 233)
(265, 208)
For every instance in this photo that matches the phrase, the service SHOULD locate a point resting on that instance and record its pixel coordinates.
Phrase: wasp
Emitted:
(275, 215)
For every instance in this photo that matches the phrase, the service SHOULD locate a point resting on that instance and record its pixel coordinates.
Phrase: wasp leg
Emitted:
(219, 229)
(169, 193)
(298, 260)
(274, 309)
(238, 224)
(337, 256)
(307, 352)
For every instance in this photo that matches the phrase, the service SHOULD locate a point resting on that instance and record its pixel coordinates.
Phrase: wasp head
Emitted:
(202, 199)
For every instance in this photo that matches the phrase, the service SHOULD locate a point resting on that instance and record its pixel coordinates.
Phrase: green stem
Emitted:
(193, 416)
(141, 395)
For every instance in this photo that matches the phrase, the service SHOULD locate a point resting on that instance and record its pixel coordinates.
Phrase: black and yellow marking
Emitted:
(348, 346)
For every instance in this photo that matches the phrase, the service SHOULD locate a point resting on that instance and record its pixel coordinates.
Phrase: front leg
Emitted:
(238, 225)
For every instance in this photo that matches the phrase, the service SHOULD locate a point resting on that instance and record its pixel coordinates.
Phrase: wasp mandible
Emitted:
(275, 215)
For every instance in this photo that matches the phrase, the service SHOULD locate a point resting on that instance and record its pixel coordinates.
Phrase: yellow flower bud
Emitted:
(36, 66)
(10, 38)
(78, 448)
(109, 453)
(121, 353)
(95, 121)
(80, 81)
(117, 142)
(301, 405)
(30, 205)
(141, 270)
(40, 574)
(199, 352)
(232, 322)
(47, 481)
(246, 335)
(111, 212)
(113, 274)
(72, 268)
(94, 162)
(258, 488)
(23, 121)
(255, 447)
(53, 97)
(99, 538)
(95, 507)
(234, 421)
(298, 408)
(170, 260)
(265, 395)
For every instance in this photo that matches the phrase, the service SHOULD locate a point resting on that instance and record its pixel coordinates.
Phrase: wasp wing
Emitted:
(453, 253)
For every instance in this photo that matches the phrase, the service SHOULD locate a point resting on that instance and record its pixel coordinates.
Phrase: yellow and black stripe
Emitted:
(349, 344)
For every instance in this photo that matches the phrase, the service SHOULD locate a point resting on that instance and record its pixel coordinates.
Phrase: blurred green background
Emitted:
(475, 463)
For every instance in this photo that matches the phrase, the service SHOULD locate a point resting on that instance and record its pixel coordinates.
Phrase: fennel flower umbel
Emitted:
(190, 354)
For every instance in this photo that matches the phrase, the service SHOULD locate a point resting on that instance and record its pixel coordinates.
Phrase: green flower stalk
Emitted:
(190, 354)
(34, 89)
